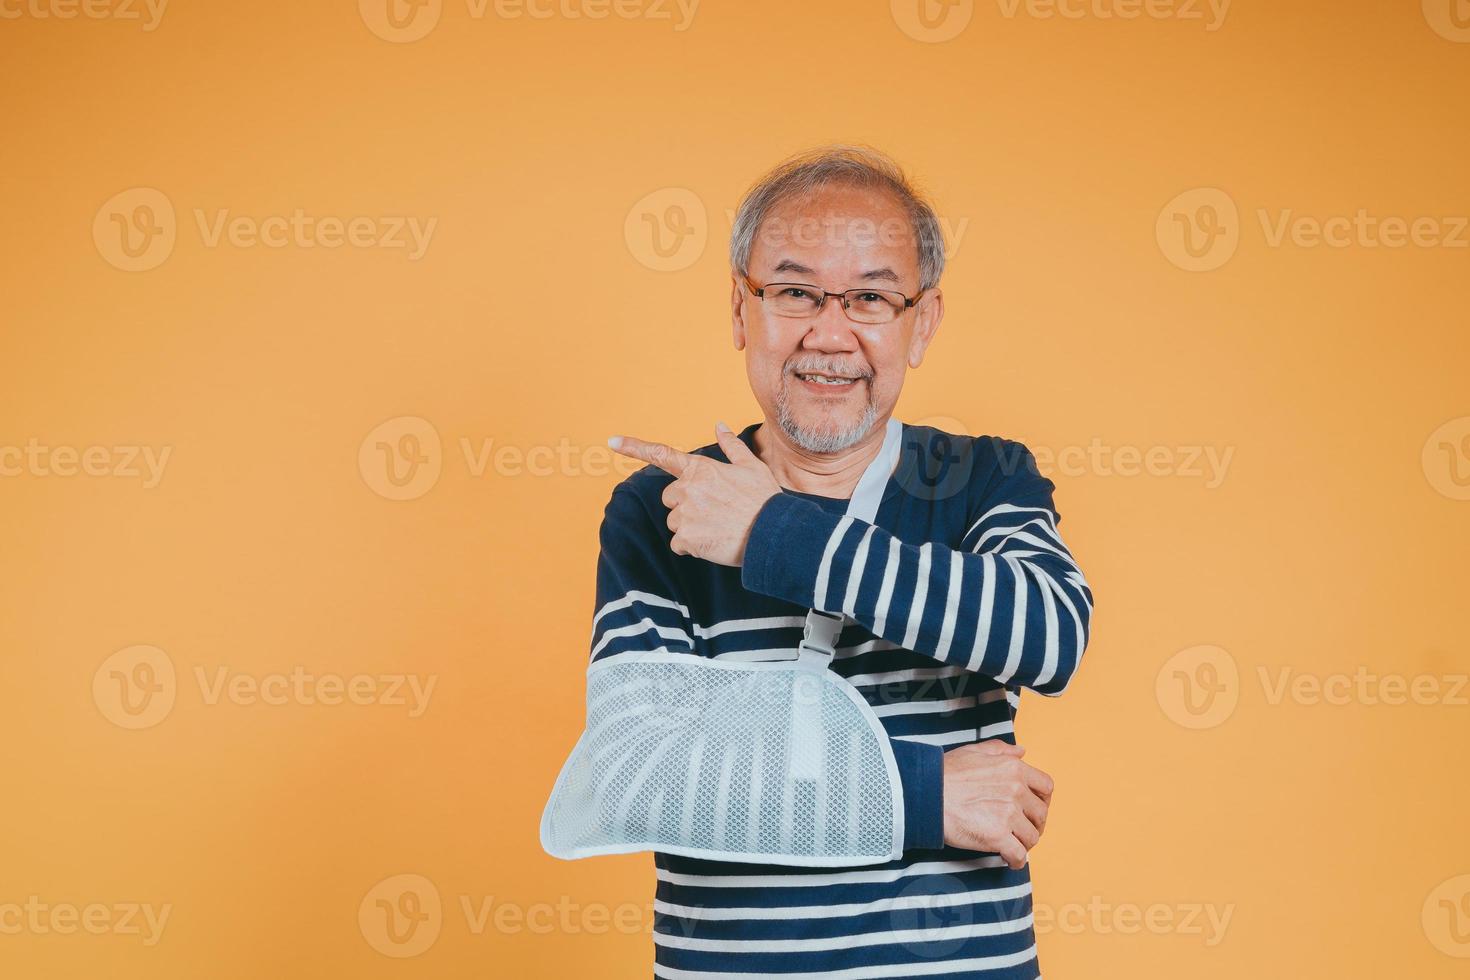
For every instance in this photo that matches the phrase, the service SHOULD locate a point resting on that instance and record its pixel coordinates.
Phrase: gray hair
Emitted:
(838, 165)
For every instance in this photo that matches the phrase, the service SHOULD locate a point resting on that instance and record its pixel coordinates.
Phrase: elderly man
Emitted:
(920, 570)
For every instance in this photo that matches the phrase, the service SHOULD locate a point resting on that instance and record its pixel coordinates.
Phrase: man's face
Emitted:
(826, 379)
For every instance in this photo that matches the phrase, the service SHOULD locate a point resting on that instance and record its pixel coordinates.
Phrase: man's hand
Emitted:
(993, 801)
(712, 505)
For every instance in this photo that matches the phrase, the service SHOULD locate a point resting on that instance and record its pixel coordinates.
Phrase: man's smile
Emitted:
(828, 384)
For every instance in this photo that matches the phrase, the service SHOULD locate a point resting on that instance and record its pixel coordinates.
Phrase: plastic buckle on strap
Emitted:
(814, 655)
(819, 636)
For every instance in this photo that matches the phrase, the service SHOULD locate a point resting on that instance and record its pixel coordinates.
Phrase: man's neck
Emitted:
(829, 475)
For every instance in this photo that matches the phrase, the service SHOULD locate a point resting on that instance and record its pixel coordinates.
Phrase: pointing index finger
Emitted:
(664, 457)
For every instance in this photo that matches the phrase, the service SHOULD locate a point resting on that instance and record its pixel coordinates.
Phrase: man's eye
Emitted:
(795, 293)
(870, 298)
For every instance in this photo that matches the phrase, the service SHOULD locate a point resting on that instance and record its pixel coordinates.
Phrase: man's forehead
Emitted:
(836, 224)
(839, 204)
(877, 273)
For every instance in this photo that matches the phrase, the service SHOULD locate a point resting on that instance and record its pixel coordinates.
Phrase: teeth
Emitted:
(819, 379)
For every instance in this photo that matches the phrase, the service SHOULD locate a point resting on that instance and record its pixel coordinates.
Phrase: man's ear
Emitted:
(927, 317)
(737, 310)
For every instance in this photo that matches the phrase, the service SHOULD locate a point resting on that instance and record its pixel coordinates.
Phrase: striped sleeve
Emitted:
(641, 607)
(1009, 603)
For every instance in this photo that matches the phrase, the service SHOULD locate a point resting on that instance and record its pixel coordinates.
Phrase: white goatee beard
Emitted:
(827, 441)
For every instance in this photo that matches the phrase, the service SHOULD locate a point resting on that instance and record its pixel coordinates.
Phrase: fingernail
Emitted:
(615, 442)
(722, 427)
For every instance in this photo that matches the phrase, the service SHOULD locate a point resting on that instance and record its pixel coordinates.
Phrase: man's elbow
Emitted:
(1068, 660)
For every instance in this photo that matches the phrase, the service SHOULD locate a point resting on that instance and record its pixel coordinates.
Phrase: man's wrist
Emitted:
(921, 770)
(785, 548)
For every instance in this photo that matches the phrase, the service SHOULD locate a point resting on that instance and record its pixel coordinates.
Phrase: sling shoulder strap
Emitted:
(819, 636)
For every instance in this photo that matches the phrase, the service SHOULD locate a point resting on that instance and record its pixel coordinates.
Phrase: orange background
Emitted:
(1336, 540)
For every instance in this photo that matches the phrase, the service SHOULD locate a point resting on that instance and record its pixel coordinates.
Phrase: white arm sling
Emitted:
(778, 761)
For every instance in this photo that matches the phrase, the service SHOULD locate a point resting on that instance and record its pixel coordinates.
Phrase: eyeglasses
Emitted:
(864, 305)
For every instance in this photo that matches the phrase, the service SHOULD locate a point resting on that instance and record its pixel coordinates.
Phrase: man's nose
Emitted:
(830, 329)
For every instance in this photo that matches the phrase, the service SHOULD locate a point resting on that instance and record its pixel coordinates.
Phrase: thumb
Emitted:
(736, 451)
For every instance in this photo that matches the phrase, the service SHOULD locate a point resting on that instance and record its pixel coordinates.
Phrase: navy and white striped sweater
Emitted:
(962, 593)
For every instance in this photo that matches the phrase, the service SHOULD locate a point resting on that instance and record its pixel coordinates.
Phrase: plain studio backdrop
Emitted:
(317, 317)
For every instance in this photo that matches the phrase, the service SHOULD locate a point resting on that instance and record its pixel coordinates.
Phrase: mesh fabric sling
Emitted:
(777, 762)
